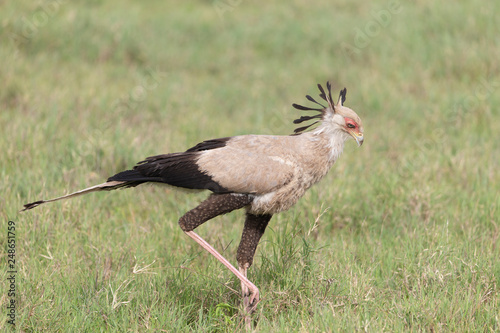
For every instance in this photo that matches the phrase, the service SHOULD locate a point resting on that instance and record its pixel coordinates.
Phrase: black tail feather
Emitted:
(33, 204)
(133, 178)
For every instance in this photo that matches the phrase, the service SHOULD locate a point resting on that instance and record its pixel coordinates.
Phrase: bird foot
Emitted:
(250, 294)
(250, 300)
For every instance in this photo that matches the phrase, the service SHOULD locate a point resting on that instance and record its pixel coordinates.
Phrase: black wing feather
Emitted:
(209, 144)
(176, 169)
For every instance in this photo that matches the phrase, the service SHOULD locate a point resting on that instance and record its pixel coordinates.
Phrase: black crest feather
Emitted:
(314, 101)
(322, 110)
(342, 97)
(306, 118)
(301, 129)
(322, 95)
(329, 87)
(305, 108)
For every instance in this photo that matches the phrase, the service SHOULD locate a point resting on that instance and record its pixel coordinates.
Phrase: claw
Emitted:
(253, 301)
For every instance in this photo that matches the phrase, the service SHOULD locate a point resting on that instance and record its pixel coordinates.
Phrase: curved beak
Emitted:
(358, 137)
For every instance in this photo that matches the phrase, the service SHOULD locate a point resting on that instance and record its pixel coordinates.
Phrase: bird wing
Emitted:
(177, 169)
(250, 164)
(242, 164)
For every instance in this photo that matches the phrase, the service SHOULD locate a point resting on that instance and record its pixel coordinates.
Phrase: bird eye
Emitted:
(350, 125)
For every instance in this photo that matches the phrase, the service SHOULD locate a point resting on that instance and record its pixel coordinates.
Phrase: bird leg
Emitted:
(246, 302)
(252, 290)
(254, 228)
(218, 204)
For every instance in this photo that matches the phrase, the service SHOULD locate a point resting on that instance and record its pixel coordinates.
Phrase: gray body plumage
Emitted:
(275, 170)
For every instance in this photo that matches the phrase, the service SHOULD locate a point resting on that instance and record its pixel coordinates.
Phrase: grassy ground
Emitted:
(402, 235)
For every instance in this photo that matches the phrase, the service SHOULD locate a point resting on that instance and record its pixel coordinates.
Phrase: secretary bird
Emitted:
(265, 174)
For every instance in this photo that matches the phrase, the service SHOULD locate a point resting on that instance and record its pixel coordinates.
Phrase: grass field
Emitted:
(402, 235)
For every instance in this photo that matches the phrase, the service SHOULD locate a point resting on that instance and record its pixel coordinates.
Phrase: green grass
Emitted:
(402, 235)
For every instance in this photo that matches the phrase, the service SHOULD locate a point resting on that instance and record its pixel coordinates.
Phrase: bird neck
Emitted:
(331, 139)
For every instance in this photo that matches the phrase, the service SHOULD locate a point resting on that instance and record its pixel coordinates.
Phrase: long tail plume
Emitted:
(108, 186)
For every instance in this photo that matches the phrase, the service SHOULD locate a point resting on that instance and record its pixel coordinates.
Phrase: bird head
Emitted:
(334, 117)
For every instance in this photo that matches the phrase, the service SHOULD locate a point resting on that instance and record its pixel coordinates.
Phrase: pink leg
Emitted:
(215, 205)
(248, 288)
